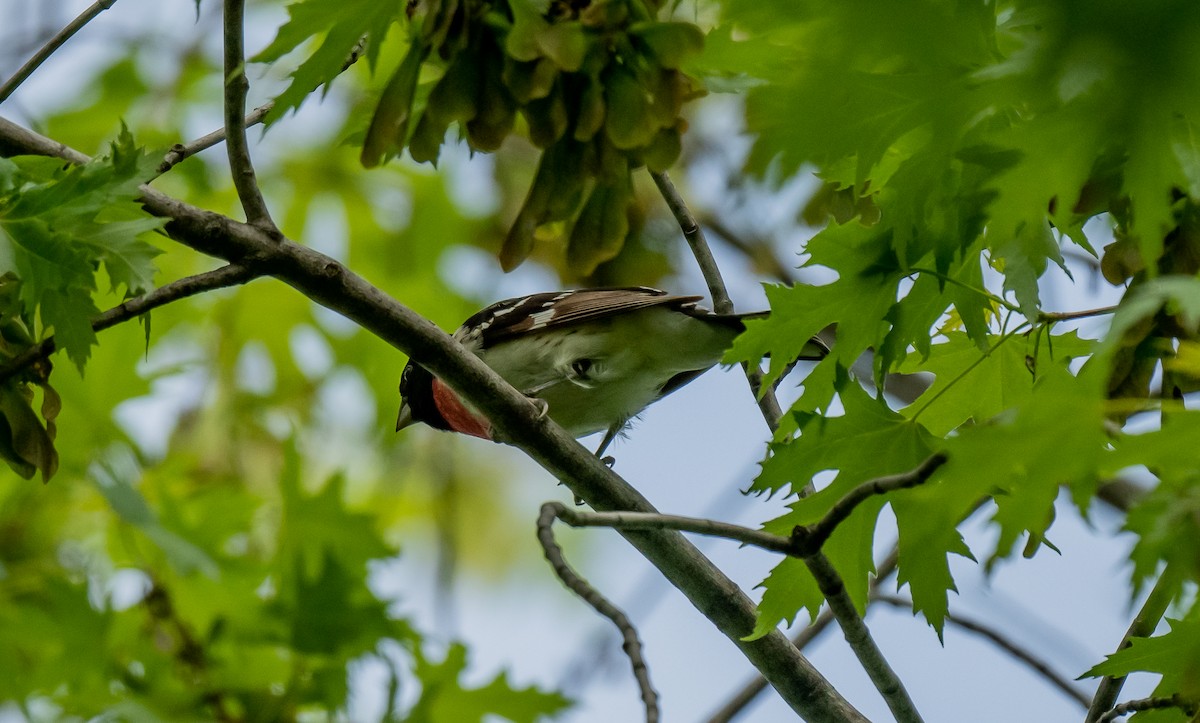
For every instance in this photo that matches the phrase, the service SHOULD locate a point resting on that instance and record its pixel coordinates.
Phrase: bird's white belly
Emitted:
(629, 367)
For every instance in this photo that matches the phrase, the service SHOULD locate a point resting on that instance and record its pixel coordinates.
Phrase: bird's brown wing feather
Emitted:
(538, 312)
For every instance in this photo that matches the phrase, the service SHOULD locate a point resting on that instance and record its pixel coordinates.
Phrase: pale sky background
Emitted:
(689, 455)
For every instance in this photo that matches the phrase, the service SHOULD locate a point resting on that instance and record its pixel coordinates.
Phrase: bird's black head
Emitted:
(416, 395)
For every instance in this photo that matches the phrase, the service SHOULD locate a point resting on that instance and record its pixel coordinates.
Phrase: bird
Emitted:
(592, 358)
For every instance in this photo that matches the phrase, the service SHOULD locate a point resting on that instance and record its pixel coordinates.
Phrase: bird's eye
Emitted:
(581, 367)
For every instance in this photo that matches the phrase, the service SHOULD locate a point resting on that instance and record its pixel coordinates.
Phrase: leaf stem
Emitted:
(999, 300)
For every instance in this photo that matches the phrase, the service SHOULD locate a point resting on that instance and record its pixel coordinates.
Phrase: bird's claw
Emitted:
(541, 405)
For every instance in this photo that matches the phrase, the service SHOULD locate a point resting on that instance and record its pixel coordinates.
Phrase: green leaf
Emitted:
(835, 443)
(787, 590)
(66, 221)
(858, 301)
(672, 42)
(977, 385)
(25, 444)
(115, 478)
(444, 699)
(928, 535)
(1019, 458)
(1175, 656)
(319, 525)
(70, 315)
(340, 25)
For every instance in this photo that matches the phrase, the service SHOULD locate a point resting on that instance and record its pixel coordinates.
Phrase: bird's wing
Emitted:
(522, 315)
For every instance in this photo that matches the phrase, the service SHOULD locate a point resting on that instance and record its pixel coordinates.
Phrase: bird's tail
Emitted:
(814, 350)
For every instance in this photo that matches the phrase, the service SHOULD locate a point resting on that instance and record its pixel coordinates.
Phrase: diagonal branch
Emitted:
(56, 42)
(589, 594)
(745, 695)
(236, 147)
(828, 580)
(329, 283)
(1143, 626)
(230, 275)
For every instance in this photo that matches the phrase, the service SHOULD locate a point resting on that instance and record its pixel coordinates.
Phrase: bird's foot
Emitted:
(542, 407)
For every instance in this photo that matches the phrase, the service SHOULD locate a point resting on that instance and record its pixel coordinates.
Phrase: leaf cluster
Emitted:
(599, 89)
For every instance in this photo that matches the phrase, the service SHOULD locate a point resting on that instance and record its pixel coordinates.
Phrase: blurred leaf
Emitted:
(341, 25)
(444, 699)
(24, 443)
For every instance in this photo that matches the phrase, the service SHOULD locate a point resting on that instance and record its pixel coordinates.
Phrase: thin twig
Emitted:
(1143, 626)
(814, 536)
(722, 304)
(1041, 667)
(1069, 315)
(804, 541)
(230, 275)
(238, 150)
(1189, 707)
(828, 580)
(753, 688)
(52, 45)
(632, 645)
(697, 525)
(180, 151)
(998, 300)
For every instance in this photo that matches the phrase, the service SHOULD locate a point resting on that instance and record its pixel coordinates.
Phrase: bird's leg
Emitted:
(609, 436)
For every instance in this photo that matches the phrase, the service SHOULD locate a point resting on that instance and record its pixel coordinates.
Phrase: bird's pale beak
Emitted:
(405, 417)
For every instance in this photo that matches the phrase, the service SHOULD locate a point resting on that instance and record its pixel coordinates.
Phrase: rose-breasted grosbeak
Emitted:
(596, 357)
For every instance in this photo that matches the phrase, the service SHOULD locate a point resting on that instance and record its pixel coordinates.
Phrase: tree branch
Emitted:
(632, 645)
(828, 580)
(813, 537)
(1188, 707)
(753, 688)
(1069, 315)
(722, 304)
(1039, 666)
(657, 521)
(236, 85)
(230, 275)
(332, 285)
(1143, 626)
(180, 152)
(52, 45)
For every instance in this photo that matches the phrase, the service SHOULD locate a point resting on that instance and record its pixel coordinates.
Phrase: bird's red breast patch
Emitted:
(456, 414)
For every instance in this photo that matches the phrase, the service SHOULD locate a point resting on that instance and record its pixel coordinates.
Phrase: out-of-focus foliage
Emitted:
(203, 551)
